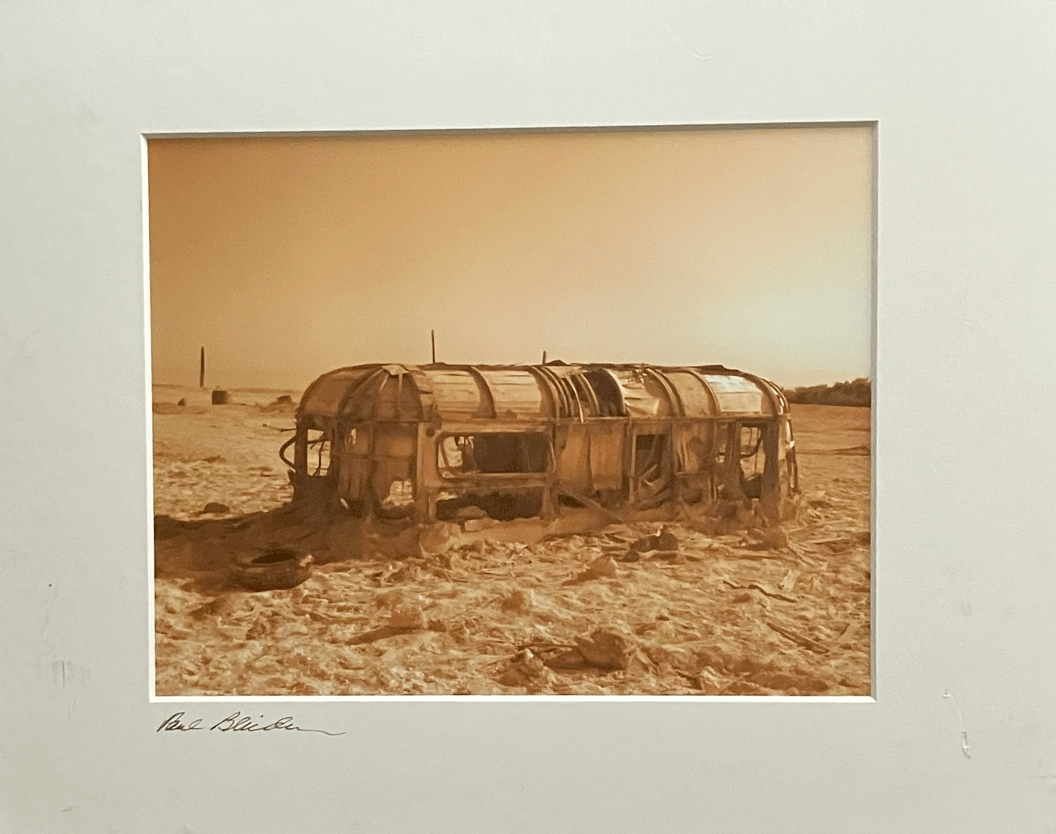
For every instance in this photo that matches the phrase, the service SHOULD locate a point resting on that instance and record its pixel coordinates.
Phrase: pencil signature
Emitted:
(234, 723)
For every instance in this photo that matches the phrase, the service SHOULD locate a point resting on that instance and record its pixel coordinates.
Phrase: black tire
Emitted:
(276, 569)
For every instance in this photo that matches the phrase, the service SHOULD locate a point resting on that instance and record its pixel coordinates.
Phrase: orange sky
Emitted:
(288, 256)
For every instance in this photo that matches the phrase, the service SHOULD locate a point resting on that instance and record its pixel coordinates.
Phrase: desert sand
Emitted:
(726, 614)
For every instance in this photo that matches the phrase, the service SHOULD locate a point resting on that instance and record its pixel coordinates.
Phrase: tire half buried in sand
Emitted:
(276, 569)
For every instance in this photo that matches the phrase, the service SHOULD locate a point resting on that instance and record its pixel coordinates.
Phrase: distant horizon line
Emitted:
(264, 389)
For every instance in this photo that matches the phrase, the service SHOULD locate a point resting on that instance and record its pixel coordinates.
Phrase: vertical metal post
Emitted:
(771, 494)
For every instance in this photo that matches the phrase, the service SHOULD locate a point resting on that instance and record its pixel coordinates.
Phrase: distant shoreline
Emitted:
(856, 393)
(177, 387)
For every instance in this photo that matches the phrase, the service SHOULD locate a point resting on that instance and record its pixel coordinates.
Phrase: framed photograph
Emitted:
(506, 417)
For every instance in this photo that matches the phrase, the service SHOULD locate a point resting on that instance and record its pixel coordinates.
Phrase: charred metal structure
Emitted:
(450, 441)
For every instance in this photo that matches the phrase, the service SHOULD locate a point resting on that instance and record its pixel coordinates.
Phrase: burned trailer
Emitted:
(437, 442)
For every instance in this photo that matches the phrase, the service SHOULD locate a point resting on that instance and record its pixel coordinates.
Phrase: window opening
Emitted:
(494, 453)
(650, 458)
(753, 460)
(506, 506)
(751, 440)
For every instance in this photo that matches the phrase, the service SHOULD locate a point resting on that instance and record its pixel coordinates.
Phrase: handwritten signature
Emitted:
(234, 723)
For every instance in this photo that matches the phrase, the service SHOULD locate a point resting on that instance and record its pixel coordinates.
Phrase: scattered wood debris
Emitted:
(604, 567)
(603, 650)
(796, 637)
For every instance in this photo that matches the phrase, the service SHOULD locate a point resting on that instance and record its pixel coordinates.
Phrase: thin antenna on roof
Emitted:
(201, 370)
(432, 336)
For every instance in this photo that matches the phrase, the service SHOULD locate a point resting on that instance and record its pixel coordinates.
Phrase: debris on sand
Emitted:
(378, 634)
(524, 669)
(604, 567)
(214, 508)
(762, 588)
(770, 538)
(796, 637)
(283, 403)
(402, 620)
(518, 602)
(788, 582)
(274, 569)
(219, 607)
(439, 537)
(604, 650)
(407, 617)
(663, 540)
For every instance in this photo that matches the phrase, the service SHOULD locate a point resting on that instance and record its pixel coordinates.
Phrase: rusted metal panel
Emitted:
(397, 399)
(324, 396)
(457, 394)
(643, 396)
(564, 401)
(516, 393)
(693, 393)
(608, 455)
(570, 400)
(354, 468)
(395, 442)
(361, 402)
(470, 426)
(573, 455)
(592, 457)
(694, 447)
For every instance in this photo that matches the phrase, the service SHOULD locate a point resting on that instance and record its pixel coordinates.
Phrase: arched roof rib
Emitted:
(459, 393)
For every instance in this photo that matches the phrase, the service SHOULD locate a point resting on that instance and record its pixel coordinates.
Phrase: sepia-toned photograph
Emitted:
(513, 413)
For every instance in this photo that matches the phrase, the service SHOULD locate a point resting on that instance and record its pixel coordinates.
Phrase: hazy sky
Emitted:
(287, 257)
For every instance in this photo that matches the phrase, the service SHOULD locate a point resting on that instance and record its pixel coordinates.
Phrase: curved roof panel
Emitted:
(325, 396)
(460, 393)
(738, 394)
(515, 393)
(696, 398)
(644, 394)
(457, 393)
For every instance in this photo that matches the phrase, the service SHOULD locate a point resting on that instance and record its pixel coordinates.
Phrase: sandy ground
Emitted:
(722, 616)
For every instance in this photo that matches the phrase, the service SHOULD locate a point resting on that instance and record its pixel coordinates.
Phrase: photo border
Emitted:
(536, 130)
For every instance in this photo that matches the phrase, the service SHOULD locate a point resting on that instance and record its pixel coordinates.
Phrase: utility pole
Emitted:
(432, 336)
